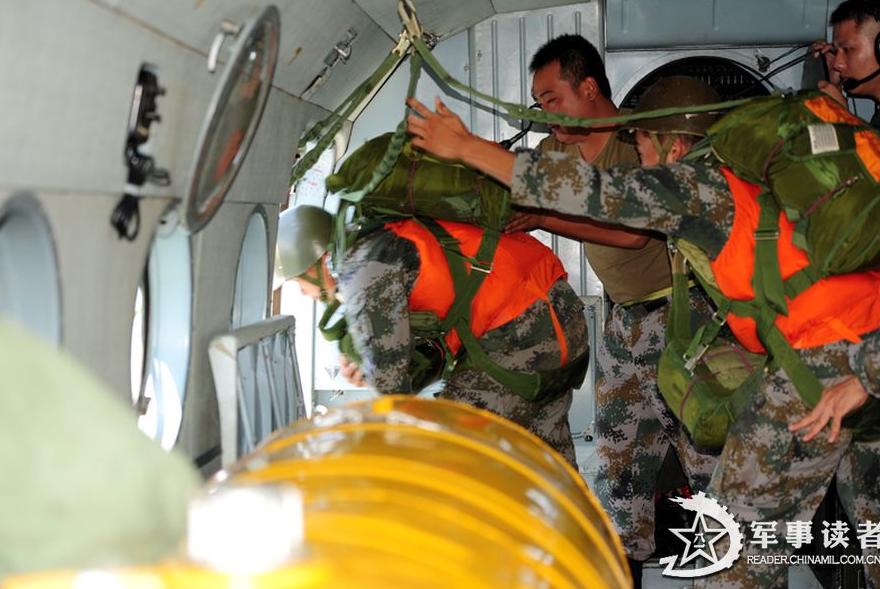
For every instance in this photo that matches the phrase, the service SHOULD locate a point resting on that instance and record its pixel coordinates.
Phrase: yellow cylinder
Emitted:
(404, 492)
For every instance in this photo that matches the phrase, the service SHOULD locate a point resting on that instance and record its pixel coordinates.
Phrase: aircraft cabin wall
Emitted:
(70, 67)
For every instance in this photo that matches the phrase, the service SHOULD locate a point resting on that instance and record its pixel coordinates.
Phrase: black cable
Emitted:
(126, 217)
(770, 74)
(789, 52)
(508, 143)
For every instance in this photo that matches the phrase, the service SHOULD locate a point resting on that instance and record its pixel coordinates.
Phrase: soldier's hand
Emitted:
(837, 402)
(520, 221)
(825, 50)
(439, 133)
(833, 90)
(832, 86)
(351, 371)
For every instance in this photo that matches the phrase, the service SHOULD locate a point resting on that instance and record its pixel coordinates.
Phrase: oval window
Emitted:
(252, 277)
(29, 284)
(167, 315)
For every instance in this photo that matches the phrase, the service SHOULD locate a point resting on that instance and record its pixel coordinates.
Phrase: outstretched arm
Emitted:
(443, 134)
(579, 228)
(683, 199)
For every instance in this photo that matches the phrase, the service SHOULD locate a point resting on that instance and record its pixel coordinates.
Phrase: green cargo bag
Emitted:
(705, 378)
(419, 185)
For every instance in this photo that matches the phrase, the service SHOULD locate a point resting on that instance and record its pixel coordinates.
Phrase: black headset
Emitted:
(851, 84)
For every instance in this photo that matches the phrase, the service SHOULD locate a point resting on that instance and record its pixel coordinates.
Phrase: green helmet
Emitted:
(676, 91)
(304, 234)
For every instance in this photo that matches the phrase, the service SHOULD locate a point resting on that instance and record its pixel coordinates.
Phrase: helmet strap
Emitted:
(319, 281)
(663, 148)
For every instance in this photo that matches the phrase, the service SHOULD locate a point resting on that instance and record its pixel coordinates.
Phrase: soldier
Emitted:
(765, 472)
(633, 428)
(525, 315)
(852, 58)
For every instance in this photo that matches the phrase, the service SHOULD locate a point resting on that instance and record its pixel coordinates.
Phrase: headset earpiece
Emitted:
(877, 48)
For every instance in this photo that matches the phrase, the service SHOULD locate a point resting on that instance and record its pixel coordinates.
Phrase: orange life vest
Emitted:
(523, 271)
(834, 308)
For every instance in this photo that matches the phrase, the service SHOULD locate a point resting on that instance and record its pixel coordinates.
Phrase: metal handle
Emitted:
(227, 29)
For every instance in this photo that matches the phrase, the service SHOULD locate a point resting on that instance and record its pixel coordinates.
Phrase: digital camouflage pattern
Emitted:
(375, 281)
(764, 472)
(635, 427)
(689, 200)
(767, 474)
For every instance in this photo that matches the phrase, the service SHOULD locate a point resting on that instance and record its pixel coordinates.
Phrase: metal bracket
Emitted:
(227, 29)
(407, 13)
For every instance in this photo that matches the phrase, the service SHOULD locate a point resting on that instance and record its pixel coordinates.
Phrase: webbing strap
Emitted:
(395, 145)
(808, 386)
(806, 383)
(466, 285)
(334, 332)
(800, 281)
(539, 116)
(767, 279)
(338, 118)
(678, 323)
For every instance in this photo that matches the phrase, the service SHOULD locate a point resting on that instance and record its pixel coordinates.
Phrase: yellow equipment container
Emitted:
(404, 492)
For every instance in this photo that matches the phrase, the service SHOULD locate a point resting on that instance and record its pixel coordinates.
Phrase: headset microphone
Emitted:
(851, 84)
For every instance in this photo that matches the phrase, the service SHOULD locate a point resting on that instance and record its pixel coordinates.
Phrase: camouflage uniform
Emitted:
(376, 280)
(765, 473)
(634, 428)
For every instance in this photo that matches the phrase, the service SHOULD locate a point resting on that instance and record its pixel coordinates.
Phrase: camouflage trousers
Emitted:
(548, 421)
(767, 474)
(635, 428)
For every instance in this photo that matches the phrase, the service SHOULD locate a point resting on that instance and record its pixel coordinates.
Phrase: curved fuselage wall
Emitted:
(71, 68)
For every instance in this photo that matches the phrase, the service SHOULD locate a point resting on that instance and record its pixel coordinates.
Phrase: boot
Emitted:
(635, 568)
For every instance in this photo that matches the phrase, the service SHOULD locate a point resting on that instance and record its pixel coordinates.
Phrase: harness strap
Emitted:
(466, 284)
(678, 323)
(808, 386)
(767, 279)
(800, 281)
(530, 386)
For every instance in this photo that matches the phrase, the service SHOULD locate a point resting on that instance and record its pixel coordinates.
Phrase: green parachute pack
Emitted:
(415, 185)
(418, 184)
(820, 165)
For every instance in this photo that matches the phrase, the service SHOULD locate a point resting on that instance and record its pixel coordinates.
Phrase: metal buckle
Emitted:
(691, 363)
(766, 234)
(481, 267)
(719, 319)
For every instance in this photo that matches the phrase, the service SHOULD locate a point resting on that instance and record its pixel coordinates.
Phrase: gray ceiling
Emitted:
(311, 28)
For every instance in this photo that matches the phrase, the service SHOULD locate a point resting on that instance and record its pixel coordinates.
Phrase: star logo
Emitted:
(699, 532)
(700, 538)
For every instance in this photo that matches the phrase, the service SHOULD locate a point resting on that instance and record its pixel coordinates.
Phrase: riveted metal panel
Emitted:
(441, 18)
(650, 24)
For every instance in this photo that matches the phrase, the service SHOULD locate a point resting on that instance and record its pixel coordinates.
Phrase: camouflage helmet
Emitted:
(304, 234)
(676, 91)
